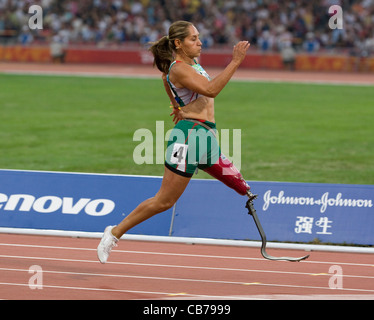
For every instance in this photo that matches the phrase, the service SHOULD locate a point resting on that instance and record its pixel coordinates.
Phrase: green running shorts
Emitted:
(192, 145)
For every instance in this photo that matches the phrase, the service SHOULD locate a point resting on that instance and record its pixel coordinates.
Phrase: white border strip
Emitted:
(81, 173)
(187, 240)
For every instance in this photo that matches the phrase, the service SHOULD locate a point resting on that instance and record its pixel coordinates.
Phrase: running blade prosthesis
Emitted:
(252, 212)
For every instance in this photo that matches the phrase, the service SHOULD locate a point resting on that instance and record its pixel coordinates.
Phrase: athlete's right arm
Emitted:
(177, 112)
(187, 77)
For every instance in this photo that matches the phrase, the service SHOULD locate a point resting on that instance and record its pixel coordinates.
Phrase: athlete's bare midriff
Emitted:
(202, 109)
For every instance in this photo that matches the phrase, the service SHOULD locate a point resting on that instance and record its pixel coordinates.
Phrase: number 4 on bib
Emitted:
(179, 153)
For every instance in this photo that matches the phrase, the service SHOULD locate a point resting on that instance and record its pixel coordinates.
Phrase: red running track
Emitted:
(69, 269)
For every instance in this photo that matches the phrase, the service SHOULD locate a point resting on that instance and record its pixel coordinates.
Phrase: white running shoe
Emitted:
(108, 241)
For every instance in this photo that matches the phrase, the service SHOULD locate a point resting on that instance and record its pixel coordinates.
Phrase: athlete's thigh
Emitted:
(172, 186)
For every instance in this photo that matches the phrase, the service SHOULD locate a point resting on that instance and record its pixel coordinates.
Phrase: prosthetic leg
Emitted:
(225, 171)
(252, 212)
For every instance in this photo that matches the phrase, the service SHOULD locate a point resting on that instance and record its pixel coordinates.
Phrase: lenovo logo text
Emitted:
(49, 204)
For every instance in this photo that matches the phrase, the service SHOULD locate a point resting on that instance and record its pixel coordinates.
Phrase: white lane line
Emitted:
(184, 254)
(166, 294)
(132, 276)
(174, 279)
(177, 266)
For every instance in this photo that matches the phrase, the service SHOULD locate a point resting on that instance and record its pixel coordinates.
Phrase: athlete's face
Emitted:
(192, 44)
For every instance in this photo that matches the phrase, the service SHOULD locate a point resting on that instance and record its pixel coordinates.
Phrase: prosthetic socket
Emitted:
(225, 171)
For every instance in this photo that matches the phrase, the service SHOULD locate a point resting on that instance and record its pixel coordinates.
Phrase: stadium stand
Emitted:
(269, 25)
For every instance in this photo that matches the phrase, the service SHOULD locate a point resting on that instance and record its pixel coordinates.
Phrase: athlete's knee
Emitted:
(166, 205)
(162, 205)
(225, 171)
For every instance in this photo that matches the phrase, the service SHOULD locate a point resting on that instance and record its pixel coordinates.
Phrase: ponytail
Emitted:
(164, 48)
(163, 54)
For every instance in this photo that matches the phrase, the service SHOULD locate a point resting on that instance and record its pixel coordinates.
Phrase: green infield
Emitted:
(289, 132)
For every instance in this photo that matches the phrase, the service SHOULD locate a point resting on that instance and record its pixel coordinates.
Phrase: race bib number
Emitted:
(179, 153)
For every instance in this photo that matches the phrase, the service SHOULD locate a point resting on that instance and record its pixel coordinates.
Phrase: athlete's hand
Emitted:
(239, 52)
(178, 115)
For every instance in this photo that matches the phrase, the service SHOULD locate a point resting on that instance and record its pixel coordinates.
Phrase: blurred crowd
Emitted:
(269, 25)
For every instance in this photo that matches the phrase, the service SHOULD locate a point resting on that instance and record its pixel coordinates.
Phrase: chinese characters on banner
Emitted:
(308, 225)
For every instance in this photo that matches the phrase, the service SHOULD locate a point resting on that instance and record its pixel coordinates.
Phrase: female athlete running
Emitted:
(192, 143)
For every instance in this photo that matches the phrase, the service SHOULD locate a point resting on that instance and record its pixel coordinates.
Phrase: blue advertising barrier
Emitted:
(295, 212)
(292, 212)
(76, 202)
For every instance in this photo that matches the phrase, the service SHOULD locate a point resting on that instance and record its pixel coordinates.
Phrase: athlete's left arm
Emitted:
(185, 76)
